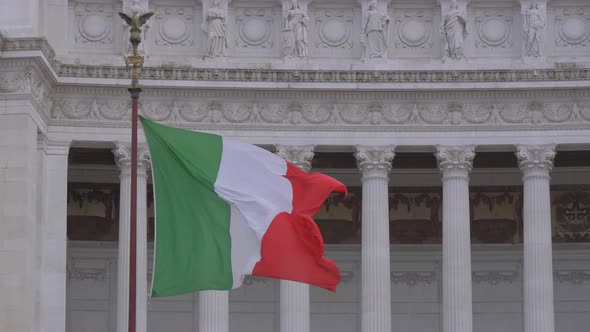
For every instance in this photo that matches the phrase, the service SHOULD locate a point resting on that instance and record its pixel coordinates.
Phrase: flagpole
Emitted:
(135, 61)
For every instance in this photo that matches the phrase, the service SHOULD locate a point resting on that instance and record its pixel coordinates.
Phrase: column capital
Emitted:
(455, 160)
(298, 155)
(374, 158)
(528, 2)
(535, 158)
(122, 152)
(51, 146)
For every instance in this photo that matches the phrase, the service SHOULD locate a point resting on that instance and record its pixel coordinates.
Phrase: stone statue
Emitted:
(454, 31)
(216, 34)
(534, 22)
(295, 33)
(375, 33)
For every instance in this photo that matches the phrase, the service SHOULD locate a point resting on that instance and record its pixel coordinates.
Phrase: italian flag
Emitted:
(225, 209)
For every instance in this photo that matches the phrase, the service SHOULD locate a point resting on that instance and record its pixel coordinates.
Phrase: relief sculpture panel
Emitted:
(415, 214)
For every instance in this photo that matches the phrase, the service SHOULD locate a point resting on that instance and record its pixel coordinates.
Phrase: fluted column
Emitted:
(374, 164)
(213, 311)
(455, 163)
(536, 162)
(294, 296)
(123, 156)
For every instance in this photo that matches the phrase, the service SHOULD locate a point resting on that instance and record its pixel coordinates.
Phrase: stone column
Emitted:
(374, 163)
(455, 163)
(536, 162)
(213, 311)
(123, 155)
(295, 295)
(52, 232)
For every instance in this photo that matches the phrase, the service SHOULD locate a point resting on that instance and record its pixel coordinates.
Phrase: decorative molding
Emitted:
(455, 158)
(535, 157)
(575, 277)
(299, 156)
(174, 27)
(494, 278)
(494, 28)
(452, 115)
(334, 28)
(413, 278)
(413, 28)
(93, 22)
(255, 28)
(374, 158)
(77, 273)
(572, 27)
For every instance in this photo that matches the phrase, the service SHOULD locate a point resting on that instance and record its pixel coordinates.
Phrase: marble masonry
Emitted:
(460, 127)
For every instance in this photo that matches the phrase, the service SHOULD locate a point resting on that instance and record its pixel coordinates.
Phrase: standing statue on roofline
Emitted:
(296, 33)
(454, 31)
(216, 30)
(375, 33)
(534, 22)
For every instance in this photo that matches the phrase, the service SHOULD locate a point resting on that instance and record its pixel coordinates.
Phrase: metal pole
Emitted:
(136, 62)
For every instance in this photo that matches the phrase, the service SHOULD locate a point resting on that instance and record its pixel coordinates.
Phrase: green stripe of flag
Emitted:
(193, 244)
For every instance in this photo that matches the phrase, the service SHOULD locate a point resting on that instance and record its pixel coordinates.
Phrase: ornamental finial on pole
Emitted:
(135, 22)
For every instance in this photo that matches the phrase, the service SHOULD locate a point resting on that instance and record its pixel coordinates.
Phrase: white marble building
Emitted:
(462, 129)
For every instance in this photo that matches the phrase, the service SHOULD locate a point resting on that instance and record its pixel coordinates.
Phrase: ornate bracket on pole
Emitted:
(135, 61)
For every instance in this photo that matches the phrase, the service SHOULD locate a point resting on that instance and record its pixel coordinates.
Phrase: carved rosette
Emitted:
(298, 155)
(535, 159)
(375, 161)
(122, 153)
(456, 160)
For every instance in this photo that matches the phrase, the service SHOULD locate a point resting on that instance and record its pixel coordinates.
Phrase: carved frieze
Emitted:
(572, 27)
(372, 114)
(110, 110)
(12, 81)
(93, 23)
(334, 28)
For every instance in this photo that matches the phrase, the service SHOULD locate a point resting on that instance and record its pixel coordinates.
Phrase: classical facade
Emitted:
(461, 128)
